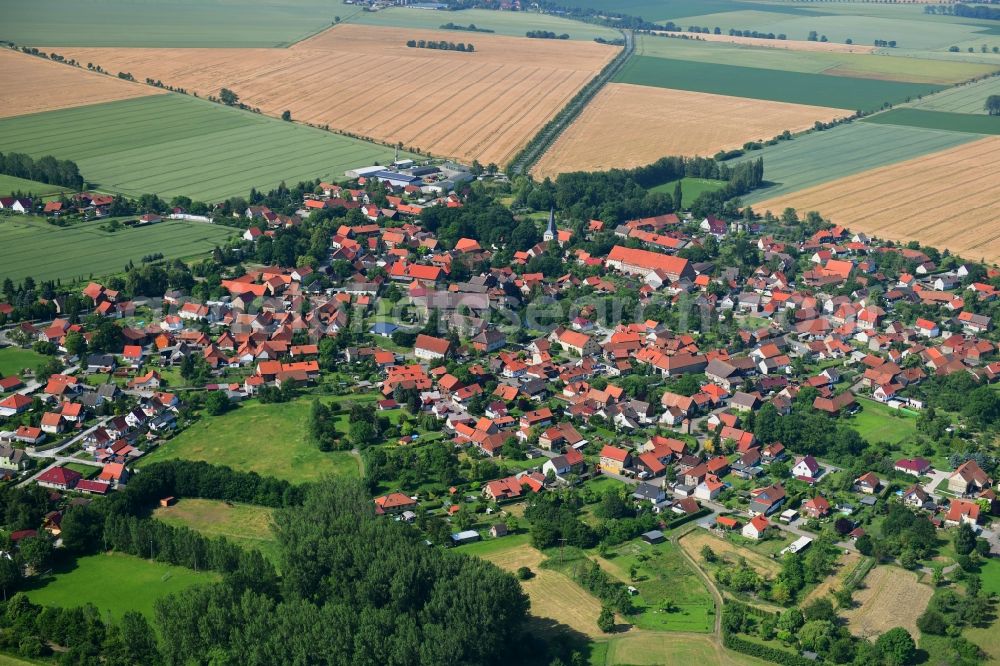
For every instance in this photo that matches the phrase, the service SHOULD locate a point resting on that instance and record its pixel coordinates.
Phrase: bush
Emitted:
(524, 573)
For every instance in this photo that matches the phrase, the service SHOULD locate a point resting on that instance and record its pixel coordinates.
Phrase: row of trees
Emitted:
(442, 45)
(545, 34)
(45, 169)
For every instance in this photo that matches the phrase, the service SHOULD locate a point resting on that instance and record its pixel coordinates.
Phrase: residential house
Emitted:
(429, 348)
(756, 528)
(968, 479)
(615, 460)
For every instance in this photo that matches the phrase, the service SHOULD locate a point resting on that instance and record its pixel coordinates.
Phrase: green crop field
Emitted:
(514, 24)
(116, 584)
(10, 184)
(819, 157)
(153, 23)
(663, 10)
(856, 65)
(939, 120)
(907, 32)
(970, 98)
(176, 144)
(269, 439)
(74, 253)
(839, 92)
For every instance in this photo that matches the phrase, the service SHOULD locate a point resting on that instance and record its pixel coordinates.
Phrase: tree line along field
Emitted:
(484, 105)
(512, 24)
(74, 253)
(628, 125)
(939, 120)
(819, 157)
(175, 144)
(903, 201)
(969, 98)
(181, 23)
(839, 92)
(33, 84)
(791, 57)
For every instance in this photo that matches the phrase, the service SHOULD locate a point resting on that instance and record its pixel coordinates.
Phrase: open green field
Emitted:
(691, 188)
(819, 157)
(175, 144)
(939, 120)
(48, 252)
(14, 359)
(907, 31)
(839, 92)
(969, 98)
(855, 65)
(879, 423)
(663, 10)
(664, 576)
(11, 184)
(181, 23)
(243, 524)
(116, 584)
(268, 439)
(514, 24)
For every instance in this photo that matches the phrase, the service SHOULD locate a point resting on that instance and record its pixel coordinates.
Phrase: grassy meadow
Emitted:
(820, 157)
(177, 144)
(74, 253)
(243, 524)
(839, 92)
(14, 359)
(115, 583)
(268, 439)
(180, 23)
(939, 120)
(691, 188)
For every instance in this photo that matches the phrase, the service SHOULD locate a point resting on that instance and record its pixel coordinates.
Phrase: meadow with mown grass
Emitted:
(85, 249)
(270, 439)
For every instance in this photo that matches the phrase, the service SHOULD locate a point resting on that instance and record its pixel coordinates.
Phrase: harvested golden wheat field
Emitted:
(890, 597)
(553, 595)
(32, 84)
(949, 199)
(365, 81)
(629, 125)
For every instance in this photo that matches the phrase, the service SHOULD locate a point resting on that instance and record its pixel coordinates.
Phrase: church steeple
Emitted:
(550, 230)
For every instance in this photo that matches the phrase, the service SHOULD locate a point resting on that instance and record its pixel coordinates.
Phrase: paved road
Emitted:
(53, 453)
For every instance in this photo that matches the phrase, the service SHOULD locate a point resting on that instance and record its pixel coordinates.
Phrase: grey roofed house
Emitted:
(100, 362)
(719, 369)
(743, 400)
(653, 536)
(468, 536)
(647, 491)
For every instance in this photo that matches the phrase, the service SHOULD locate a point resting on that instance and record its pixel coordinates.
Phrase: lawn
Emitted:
(244, 524)
(514, 24)
(115, 583)
(177, 144)
(857, 65)
(879, 423)
(88, 471)
(648, 648)
(269, 439)
(10, 184)
(83, 250)
(662, 575)
(820, 157)
(14, 359)
(691, 188)
(939, 120)
(182, 23)
(839, 92)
